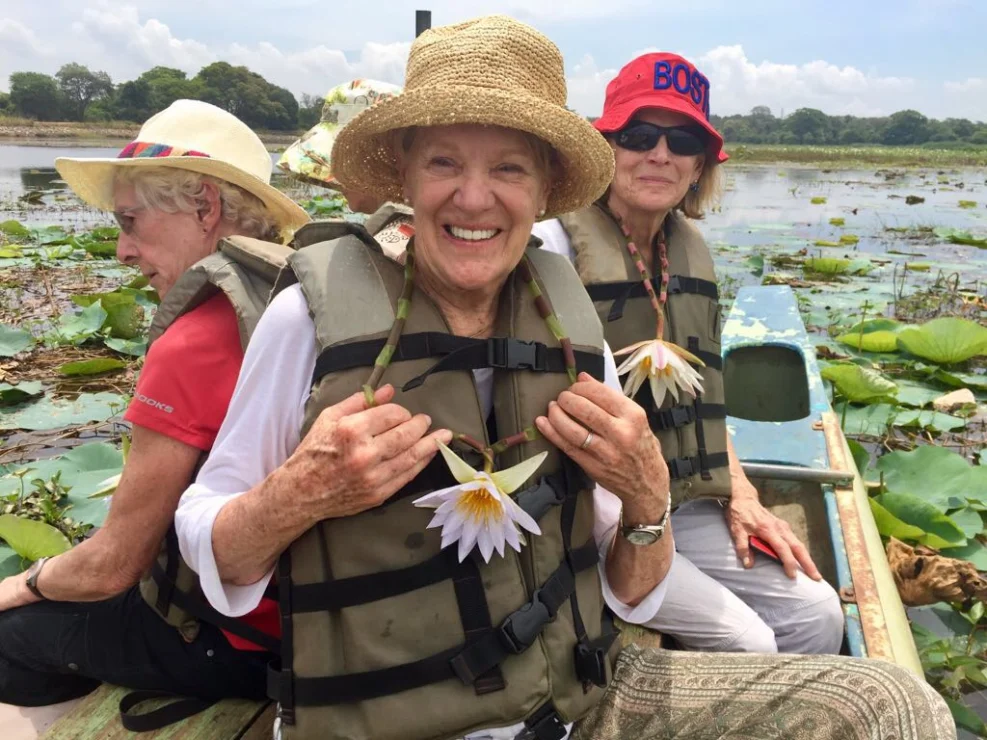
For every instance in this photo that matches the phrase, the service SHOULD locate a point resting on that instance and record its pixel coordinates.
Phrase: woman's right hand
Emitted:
(354, 458)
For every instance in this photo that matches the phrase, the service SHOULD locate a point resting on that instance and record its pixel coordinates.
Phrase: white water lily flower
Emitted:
(479, 512)
(665, 365)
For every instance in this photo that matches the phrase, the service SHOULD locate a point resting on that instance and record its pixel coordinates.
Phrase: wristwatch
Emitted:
(32, 577)
(647, 534)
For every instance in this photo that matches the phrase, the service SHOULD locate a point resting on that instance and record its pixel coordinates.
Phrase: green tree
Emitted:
(167, 85)
(963, 128)
(310, 110)
(5, 105)
(906, 127)
(35, 95)
(80, 87)
(133, 101)
(808, 126)
(248, 96)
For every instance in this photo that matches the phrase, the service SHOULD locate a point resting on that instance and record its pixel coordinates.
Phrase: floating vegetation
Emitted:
(912, 200)
(818, 200)
(968, 204)
(835, 221)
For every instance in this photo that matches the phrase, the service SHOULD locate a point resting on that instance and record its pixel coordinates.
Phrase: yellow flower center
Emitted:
(646, 364)
(479, 505)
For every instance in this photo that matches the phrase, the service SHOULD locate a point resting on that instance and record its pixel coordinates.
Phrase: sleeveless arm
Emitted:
(605, 529)
(554, 239)
(260, 431)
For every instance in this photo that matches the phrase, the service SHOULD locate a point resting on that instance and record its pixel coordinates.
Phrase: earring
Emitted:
(694, 187)
(541, 213)
(404, 199)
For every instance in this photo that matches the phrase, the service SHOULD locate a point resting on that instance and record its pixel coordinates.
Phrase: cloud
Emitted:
(17, 38)
(738, 84)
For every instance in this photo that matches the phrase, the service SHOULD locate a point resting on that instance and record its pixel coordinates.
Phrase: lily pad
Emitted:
(91, 367)
(875, 341)
(50, 235)
(849, 239)
(14, 341)
(10, 394)
(934, 473)
(837, 221)
(957, 236)
(975, 551)
(891, 526)
(818, 200)
(77, 328)
(135, 348)
(14, 229)
(940, 531)
(861, 457)
(918, 266)
(945, 341)
(916, 395)
(968, 204)
(969, 520)
(859, 384)
(50, 413)
(826, 265)
(30, 539)
(934, 421)
(875, 419)
(10, 562)
(973, 381)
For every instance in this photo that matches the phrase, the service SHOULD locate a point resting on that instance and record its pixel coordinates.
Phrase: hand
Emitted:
(623, 455)
(746, 516)
(354, 458)
(14, 592)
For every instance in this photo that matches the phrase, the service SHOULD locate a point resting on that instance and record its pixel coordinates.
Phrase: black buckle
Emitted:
(513, 354)
(676, 416)
(674, 284)
(591, 664)
(681, 467)
(548, 726)
(521, 628)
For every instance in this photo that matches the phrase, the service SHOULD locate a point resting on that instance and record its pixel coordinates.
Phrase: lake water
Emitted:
(766, 210)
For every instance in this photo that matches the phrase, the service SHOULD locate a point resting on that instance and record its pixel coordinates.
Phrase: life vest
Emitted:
(244, 269)
(693, 435)
(384, 634)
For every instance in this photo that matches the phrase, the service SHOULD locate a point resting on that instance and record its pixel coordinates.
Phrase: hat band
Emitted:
(141, 149)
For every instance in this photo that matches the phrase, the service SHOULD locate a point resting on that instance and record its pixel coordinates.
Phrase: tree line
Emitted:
(811, 126)
(77, 93)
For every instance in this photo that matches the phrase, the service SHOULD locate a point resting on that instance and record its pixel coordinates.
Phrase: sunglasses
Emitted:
(126, 219)
(640, 136)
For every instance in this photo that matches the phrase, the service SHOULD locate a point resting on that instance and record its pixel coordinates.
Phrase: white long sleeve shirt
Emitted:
(262, 429)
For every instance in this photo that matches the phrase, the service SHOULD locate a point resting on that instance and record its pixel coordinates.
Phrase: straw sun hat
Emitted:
(188, 135)
(492, 70)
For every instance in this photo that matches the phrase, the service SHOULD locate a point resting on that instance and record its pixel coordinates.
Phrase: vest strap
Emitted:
(620, 292)
(521, 628)
(457, 353)
(684, 414)
(685, 467)
(176, 711)
(346, 592)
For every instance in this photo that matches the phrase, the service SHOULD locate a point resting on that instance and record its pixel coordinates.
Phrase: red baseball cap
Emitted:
(660, 81)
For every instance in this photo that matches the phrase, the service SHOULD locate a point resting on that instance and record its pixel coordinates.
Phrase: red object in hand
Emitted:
(763, 547)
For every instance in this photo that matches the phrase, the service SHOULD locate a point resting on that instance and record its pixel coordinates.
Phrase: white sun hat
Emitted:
(189, 135)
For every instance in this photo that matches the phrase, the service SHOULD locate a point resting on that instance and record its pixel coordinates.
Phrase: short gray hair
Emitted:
(175, 190)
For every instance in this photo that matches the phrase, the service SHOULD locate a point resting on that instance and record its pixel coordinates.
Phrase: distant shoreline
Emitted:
(115, 134)
(95, 135)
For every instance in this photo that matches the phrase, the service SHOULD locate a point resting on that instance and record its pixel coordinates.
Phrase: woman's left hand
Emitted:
(14, 592)
(622, 455)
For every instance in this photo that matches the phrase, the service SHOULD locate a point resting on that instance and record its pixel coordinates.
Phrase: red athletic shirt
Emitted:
(183, 392)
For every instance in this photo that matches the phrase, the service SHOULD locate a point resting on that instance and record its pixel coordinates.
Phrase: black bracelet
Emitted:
(32, 578)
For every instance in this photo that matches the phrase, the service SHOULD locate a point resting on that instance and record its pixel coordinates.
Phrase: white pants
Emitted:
(715, 604)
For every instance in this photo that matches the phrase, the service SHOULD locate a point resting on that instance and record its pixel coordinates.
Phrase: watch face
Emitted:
(642, 537)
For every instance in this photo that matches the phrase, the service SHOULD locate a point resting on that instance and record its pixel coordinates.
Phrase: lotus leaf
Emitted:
(818, 200)
(14, 229)
(136, 348)
(940, 531)
(859, 384)
(945, 341)
(49, 413)
(837, 221)
(77, 328)
(31, 539)
(826, 265)
(10, 394)
(891, 526)
(14, 341)
(935, 474)
(91, 367)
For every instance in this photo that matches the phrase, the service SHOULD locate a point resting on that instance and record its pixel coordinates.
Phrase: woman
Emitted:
(195, 176)
(418, 598)
(722, 596)
(309, 160)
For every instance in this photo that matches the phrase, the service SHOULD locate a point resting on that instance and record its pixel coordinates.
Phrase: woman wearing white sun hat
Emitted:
(194, 178)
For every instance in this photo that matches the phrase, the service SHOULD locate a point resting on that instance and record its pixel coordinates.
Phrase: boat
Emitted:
(793, 450)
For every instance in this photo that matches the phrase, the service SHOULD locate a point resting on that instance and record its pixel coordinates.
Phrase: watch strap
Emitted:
(32, 578)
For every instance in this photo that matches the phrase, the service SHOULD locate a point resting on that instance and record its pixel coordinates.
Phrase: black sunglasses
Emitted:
(640, 136)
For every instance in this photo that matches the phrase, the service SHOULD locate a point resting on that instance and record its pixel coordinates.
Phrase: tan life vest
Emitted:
(693, 436)
(244, 269)
(385, 635)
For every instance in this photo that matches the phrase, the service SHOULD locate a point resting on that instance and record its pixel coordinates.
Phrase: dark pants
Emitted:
(52, 651)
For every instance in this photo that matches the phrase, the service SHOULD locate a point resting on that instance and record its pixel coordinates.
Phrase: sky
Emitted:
(865, 58)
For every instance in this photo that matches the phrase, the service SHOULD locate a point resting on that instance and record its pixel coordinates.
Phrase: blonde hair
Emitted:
(695, 203)
(175, 190)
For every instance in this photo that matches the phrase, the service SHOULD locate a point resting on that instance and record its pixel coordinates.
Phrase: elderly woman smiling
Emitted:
(427, 596)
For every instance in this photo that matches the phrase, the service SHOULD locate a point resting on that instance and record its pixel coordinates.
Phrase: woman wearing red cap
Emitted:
(646, 266)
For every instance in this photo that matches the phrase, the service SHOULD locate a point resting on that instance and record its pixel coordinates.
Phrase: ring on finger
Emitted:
(587, 442)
